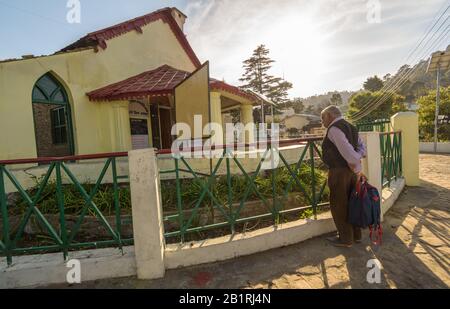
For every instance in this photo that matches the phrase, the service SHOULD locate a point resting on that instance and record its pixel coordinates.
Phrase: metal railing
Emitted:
(222, 199)
(58, 235)
(381, 125)
(391, 157)
(296, 188)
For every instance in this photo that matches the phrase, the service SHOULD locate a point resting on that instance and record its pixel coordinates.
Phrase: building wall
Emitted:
(297, 122)
(81, 72)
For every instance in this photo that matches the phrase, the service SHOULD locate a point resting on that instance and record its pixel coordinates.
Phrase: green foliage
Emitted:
(74, 201)
(427, 105)
(373, 84)
(393, 104)
(418, 83)
(192, 188)
(336, 99)
(298, 106)
(190, 192)
(293, 131)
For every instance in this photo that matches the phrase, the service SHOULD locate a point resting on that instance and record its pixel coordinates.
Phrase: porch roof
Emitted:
(157, 82)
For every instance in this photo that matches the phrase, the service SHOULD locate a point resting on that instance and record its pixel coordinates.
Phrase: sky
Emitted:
(319, 46)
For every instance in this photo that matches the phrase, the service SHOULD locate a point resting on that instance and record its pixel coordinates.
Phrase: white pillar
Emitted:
(247, 118)
(372, 162)
(148, 228)
(120, 125)
(408, 123)
(216, 116)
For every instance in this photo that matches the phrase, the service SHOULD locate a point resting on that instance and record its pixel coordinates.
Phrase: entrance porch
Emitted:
(154, 101)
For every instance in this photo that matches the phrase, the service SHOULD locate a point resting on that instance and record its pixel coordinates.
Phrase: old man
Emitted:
(342, 152)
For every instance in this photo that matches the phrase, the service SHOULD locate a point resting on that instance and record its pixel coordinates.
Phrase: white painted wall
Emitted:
(428, 147)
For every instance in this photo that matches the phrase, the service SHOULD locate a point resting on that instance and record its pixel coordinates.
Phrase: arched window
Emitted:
(52, 118)
(48, 90)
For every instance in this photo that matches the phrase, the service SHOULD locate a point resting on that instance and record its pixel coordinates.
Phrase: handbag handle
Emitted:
(359, 184)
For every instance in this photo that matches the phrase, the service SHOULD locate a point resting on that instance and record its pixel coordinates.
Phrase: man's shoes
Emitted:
(333, 238)
(335, 241)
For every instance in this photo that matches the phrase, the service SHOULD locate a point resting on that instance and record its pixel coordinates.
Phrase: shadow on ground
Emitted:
(414, 254)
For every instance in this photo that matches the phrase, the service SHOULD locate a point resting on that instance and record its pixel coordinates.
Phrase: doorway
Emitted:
(166, 127)
(139, 125)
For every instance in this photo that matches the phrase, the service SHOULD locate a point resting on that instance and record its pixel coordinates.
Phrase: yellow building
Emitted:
(115, 89)
(298, 121)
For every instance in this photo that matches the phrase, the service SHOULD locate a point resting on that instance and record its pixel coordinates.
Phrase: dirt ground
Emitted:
(415, 251)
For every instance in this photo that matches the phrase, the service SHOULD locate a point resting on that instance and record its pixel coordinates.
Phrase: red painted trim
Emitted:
(129, 96)
(99, 38)
(68, 158)
(219, 85)
(390, 133)
(282, 143)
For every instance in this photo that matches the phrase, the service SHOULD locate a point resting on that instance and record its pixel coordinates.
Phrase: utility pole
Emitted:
(439, 61)
(438, 97)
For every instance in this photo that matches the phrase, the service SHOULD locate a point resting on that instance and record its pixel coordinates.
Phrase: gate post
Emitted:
(372, 162)
(408, 123)
(148, 227)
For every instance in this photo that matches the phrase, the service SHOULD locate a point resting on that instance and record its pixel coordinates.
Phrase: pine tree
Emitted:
(256, 77)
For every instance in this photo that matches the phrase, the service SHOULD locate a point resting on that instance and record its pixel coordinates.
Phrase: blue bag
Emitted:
(364, 209)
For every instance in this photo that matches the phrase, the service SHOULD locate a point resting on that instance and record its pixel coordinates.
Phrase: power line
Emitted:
(389, 87)
(33, 14)
(400, 82)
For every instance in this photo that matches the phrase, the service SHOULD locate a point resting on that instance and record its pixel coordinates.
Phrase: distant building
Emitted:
(412, 106)
(299, 121)
(321, 131)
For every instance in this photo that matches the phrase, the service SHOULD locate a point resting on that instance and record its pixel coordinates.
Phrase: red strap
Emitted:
(379, 239)
(359, 183)
(358, 188)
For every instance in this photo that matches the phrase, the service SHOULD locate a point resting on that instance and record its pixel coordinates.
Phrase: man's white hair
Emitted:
(333, 111)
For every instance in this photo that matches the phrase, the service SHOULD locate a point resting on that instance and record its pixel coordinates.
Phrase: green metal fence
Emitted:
(380, 125)
(217, 193)
(293, 189)
(391, 157)
(59, 237)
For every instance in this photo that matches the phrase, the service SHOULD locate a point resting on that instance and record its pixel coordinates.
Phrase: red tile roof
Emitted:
(160, 81)
(99, 38)
(220, 85)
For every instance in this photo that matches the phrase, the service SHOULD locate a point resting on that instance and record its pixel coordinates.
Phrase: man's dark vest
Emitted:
(331, 156)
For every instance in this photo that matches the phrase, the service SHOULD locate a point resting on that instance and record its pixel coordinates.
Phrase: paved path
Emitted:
(415, 253)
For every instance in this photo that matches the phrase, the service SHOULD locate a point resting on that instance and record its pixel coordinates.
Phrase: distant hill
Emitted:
(315, 104)
(325, 98)
(418, 83)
